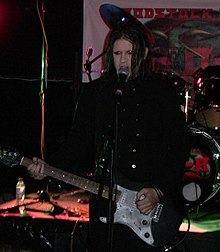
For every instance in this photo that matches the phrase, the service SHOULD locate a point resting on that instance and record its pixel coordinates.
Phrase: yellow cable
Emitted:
(42, 90)
(72, 235)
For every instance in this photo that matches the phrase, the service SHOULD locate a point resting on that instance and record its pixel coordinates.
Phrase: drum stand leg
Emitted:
(4, 197)
(186, 105)
(183, 247)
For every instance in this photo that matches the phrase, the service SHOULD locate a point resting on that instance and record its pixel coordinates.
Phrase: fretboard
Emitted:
(83, 183)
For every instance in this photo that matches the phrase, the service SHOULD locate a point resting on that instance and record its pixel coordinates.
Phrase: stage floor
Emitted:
(45, 222)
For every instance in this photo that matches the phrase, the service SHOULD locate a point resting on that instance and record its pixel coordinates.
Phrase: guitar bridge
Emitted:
(156, 212)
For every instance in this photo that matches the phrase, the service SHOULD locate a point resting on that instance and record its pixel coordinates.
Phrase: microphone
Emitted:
(123, 73)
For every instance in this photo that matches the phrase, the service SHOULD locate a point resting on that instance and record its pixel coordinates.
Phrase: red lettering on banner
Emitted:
(183, 13)
(170, 12)
(207, 13)
(138, 12)
(195, 13)
(149, 13)
(159, 13)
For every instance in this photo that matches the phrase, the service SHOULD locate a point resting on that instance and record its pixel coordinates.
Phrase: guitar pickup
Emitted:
(103, 219)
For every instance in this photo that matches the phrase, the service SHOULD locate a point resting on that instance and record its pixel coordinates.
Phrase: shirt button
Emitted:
(133, 166)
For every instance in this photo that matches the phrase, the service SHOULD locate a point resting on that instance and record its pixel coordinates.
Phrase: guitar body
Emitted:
(157, 228)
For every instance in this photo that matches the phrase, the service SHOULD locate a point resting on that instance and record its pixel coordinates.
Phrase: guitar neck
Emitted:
(83, 183)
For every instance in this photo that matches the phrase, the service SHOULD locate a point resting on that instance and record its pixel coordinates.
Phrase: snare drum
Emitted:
(186, 94)
(201, 178)
(207, 103)
(179, 85)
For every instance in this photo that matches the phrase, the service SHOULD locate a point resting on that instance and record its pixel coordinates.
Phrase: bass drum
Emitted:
(201, 178)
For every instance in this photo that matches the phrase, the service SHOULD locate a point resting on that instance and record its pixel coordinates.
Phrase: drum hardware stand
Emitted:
(187, 97)
(180, 240)
(43, 196)
(88, 64)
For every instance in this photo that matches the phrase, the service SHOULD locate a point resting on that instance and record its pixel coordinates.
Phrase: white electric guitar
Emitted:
(156, 229)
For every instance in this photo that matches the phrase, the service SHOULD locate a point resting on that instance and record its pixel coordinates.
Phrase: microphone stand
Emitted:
(113, 171)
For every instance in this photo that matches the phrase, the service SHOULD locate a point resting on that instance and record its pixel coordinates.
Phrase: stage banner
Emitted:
(186, 34)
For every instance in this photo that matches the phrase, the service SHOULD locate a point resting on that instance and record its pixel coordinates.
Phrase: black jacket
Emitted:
(152, 133)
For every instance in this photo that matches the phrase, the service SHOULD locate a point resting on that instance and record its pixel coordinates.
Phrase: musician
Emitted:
(128, 129)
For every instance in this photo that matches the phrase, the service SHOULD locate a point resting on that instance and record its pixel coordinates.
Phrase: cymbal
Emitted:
(113, 16)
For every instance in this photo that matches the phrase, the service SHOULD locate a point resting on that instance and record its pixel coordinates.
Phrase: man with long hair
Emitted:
(130, 132)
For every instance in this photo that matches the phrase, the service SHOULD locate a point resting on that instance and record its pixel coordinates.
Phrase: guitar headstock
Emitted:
(9, 157)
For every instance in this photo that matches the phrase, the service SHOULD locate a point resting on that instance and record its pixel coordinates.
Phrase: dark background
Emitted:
(20, 77)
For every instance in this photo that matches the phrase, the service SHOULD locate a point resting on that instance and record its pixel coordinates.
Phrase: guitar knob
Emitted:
(144, 222)
(146, 235)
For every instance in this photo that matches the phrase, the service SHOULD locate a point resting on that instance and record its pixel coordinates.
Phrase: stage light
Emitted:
(9, 13)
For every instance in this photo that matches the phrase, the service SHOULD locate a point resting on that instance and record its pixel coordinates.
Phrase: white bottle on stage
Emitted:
(20, 195)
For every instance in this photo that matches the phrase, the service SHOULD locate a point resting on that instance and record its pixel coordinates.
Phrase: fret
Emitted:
(83, 183)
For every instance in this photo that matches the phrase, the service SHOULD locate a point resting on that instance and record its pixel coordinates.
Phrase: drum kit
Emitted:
(200, 102)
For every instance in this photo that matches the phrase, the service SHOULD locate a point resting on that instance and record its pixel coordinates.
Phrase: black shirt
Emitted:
(152, 133)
